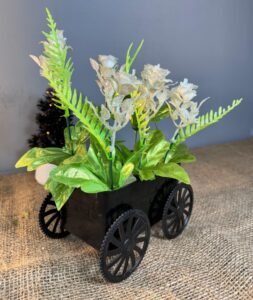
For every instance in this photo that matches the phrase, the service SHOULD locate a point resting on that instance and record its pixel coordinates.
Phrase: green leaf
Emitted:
(122, 152)
(78, 136)
(97, 162)
(78, 176)
(59, 191)
(36, 157)
(172, 170)
(155, 154)
(92, 186)
(154, 149)
(146, 174)
(80, 156)
(182, 155)
(125, 173)
(130, 60)
(164, 112)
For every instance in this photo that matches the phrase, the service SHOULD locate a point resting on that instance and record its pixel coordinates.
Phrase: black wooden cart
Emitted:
(118, 222)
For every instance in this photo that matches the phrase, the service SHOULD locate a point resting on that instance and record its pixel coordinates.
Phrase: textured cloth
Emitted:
(212, 259)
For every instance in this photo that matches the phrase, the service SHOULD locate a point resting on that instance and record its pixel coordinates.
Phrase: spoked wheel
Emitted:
(177, 210)
(157, 205)
(124, 245)
(51, 220)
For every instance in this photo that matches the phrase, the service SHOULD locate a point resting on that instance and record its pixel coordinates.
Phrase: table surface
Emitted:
(212, 259)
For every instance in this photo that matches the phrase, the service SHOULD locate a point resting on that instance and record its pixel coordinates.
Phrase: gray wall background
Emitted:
(208, 41)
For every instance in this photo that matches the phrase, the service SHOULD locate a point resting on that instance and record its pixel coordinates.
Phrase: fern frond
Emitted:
(204, 121)
(58, 71)
(85, 111)
(142, 118)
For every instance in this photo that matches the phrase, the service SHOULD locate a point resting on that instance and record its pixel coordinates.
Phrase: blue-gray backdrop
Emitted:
(208, 41)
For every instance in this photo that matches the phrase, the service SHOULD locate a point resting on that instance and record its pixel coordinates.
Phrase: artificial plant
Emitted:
(92, 158)
(51, 123)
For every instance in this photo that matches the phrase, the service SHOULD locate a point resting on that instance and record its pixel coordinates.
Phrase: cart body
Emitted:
(89, 216)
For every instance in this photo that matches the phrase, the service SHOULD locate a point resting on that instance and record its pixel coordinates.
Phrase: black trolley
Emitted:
(117, 223)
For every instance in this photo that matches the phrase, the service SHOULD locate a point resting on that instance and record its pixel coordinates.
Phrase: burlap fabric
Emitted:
(212, 259)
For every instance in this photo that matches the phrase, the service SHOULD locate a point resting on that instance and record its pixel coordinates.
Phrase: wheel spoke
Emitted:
(56, 224)
(141, 239)
(132, 257)
(126, 265)
(174, 226)
(137, 224)
(115, 242)
(174, 201)
(121, 232)
(138, 250)
(178, 227)
(180, 195)
(182, 222)
(187, 212)
(171, 221)
(186, 199)
(115, 272)
(184, 194)
(129, 226)
(50, 211)
(172, 208)
(114, 252)
(114, 261)
(51, 220)
(140, 230)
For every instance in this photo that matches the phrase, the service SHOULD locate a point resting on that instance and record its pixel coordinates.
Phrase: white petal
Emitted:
(42, 173)
(36, 59)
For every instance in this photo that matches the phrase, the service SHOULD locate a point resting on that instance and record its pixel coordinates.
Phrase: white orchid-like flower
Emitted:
(155, 88)
(184, 92)
(117, 86)
(127, 82)
(154, 77)
(108, 61)
(185, 111)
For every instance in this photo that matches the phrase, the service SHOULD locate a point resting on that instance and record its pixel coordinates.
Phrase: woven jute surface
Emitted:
(212, 259)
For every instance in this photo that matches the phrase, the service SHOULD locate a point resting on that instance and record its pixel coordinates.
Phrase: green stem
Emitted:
(111, 172)
(69, 133)
(171, 145)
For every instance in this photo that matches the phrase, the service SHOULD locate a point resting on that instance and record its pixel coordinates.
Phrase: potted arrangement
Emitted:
(100, 190)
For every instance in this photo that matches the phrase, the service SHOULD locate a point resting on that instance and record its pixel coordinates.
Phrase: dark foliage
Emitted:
(51, 123)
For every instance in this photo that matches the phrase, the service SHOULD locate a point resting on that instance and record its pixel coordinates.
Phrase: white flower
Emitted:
(108, 61)
(94, 65)
(116, 101)
(155, 77)
(185, 111)
(105, 114)
(127, 83)
(127, 106)
(184, 92)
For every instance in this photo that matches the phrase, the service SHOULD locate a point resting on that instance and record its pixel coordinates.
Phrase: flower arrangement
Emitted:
(92, 158)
